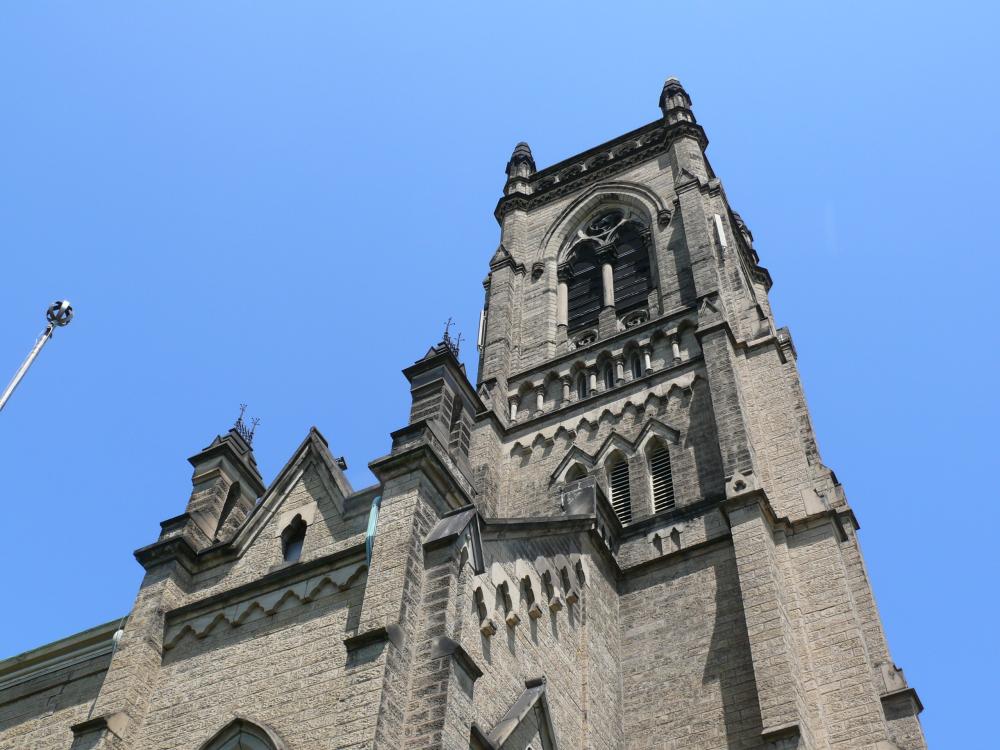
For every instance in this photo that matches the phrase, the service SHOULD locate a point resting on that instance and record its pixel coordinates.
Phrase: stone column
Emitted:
(592, 377)
(607, 319)
(567, 384)
(563, 274)
(647, 361)
(540, 398)
(513, 407)
(607, 255)
(675, 347)
(619, 369)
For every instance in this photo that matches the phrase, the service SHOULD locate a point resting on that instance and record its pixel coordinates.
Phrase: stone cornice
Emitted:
(416, 448)
(168, 550)
(598, 163)
(758, 497)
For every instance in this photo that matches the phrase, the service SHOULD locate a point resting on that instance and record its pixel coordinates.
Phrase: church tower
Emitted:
(630, 357)
(621, 537)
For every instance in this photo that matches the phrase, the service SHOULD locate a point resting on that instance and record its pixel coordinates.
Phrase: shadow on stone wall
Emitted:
(729, 661)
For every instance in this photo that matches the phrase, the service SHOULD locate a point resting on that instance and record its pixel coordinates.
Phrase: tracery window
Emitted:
(614, 235)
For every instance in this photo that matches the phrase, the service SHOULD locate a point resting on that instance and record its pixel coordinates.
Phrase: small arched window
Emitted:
(241, 734)
(621, 494)
(582, 387)
(292, 538)
(662, 478)
(635, 364)
(609, 376)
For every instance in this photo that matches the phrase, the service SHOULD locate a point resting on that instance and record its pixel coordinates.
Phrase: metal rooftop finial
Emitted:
(452, 344)
(241, 427)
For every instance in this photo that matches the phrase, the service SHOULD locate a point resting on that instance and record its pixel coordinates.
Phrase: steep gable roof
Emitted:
(312, 450)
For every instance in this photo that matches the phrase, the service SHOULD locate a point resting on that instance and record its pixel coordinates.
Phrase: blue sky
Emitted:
(280, 204)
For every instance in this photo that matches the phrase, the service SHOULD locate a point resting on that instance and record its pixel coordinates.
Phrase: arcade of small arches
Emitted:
(580, 380)
(556, 584)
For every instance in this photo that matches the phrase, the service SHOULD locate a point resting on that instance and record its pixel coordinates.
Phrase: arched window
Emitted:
(292, 538)
(661, 477)
(244, 735)
(635, 364)
(621, 494)
(576, 471)
(584, 288)
(582, 388)
(631, 268)
(609, 376)
(227, 507)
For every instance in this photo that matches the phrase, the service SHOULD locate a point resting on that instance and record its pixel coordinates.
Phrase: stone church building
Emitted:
(621, 537)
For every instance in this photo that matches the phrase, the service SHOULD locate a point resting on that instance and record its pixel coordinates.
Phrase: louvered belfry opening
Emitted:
(631, 269)
(584, 288)
(662, 478)
(621, 497)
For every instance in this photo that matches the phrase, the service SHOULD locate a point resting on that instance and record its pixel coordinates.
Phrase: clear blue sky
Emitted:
(280, 203)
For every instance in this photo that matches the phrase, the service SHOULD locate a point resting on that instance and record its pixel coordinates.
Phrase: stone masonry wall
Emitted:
(41, 720)
(575, 648)
(287, 670)
(688, 678)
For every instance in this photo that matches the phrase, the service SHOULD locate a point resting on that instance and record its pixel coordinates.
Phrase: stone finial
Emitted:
(522, 163)
(675, 103)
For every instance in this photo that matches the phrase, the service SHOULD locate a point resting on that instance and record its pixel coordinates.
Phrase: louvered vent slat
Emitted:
(621, 500)
(663, 480)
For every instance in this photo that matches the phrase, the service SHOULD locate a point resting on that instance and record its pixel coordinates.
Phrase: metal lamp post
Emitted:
(59, 314)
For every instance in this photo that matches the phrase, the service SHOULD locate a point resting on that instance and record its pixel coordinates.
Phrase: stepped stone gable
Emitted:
(621, 537)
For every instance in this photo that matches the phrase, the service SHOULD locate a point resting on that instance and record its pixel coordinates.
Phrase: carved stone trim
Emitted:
(563, 178)
(267, 602)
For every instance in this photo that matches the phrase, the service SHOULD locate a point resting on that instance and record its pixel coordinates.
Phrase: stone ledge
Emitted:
(902, 695)
(448, 647)
(391, 633)
(113, 723)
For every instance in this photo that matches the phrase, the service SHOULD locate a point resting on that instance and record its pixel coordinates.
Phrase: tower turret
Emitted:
(225, 486)
(675, 102)
(520, 168)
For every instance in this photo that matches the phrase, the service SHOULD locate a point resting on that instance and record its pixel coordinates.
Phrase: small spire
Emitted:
(522, 163)
(675, 102)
